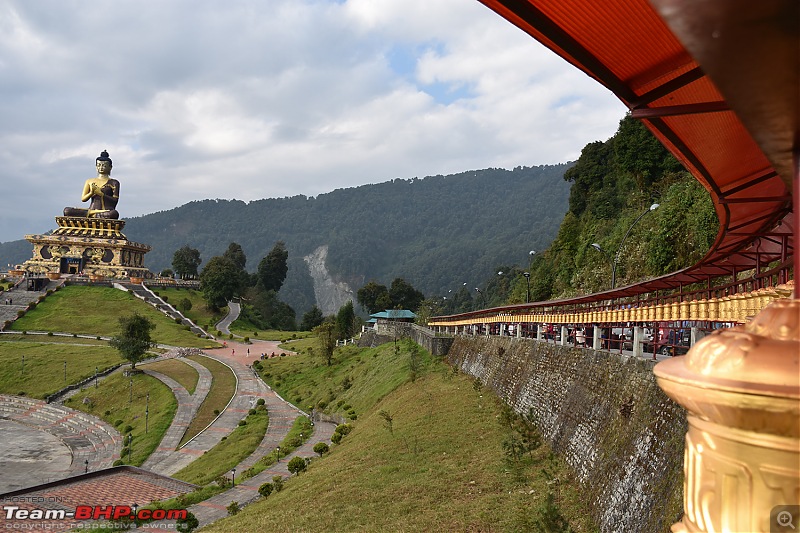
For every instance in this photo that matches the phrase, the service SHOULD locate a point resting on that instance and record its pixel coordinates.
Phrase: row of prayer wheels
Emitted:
(737, 308)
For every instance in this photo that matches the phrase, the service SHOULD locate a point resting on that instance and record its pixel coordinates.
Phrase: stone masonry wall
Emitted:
(603, 413)
(436, 345)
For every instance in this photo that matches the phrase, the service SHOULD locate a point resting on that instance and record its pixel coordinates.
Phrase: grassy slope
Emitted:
(441, 468)
(199, 313)
(228, 453)
(44, 364)
(111, 403)
(223, 386)
(178, 370)
(95, 310)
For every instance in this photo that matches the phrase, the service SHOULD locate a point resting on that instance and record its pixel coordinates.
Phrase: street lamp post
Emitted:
(528, 291)
(530, 259)
(615, 260)
(233, 479)
(483, 298)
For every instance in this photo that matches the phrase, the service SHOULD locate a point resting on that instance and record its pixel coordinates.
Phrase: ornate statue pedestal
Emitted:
(741, 388)
(91, 246)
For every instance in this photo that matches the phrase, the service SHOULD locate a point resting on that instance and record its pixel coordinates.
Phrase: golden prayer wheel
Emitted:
(702, 309)
(673, 311)
(741, 390)
(659, 312)
(683, 310)
(694, 313)
(713, 309)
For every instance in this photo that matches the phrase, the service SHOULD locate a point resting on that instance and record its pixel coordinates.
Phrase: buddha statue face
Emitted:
(103, 167)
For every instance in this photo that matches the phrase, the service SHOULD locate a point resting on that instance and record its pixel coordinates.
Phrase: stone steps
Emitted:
(87, 437)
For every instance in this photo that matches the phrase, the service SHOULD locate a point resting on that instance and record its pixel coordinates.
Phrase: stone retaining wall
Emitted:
(603, 413)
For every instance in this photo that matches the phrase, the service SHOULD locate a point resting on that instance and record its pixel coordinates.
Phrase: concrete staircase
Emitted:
(142, 292)
(88, 438)
(21, 298)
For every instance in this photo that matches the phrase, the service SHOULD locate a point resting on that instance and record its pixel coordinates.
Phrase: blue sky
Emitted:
(198, 99)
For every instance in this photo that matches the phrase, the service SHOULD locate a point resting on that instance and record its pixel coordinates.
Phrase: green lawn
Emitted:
(358, 379)
(235, 448)
(440, 466)
(199, 313)
(121, 401)
(95, 311)
(178, 370)
(43, 371)
(223, 387)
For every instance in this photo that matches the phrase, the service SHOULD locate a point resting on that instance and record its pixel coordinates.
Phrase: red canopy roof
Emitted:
(626, 46)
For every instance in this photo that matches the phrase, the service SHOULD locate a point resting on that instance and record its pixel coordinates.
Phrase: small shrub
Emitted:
(346, 407)
(230, 336)
(49, 333)
(251, 412)
(247, 339)
(127, 429)
(265, 489)
(233, 508)
(322, 404)
(321, 448)
(216, 412)
(260, 401)
(187, 524)
(118, 462)
(99, 338)
(117, 423)
(74, 335)
(108, 413)
(343, 429)
(336, 438)
(296, 465)
(124, 451)
(222, 481)
(178, 320)
(255, 334)
(242, 422)
(277, 483)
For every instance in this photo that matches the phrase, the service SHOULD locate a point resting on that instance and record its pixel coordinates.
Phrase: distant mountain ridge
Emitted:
(436, 232)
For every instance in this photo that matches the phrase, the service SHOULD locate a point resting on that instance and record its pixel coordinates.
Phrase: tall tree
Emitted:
(345, 321)
(185, 262)
(326, 332)
(404, 296)
(133, 340)
(374, 297)
(236, 255)
(220, 281)
(273, 268)
(312, 319)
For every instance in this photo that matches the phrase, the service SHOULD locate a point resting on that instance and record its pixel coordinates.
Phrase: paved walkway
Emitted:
(233, 313)
(188, 405)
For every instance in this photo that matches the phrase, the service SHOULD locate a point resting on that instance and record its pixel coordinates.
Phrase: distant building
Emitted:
(381, 321)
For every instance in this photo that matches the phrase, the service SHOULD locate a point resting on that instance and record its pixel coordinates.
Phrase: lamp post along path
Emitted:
(615, 260)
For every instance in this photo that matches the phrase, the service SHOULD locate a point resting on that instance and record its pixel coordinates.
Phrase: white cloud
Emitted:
(196, 99)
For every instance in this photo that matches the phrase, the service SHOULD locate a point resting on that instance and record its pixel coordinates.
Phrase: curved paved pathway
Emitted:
(233, 313)
(188, 406)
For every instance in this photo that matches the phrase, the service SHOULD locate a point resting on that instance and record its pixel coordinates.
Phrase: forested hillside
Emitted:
(613, 183)
(435, 232)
